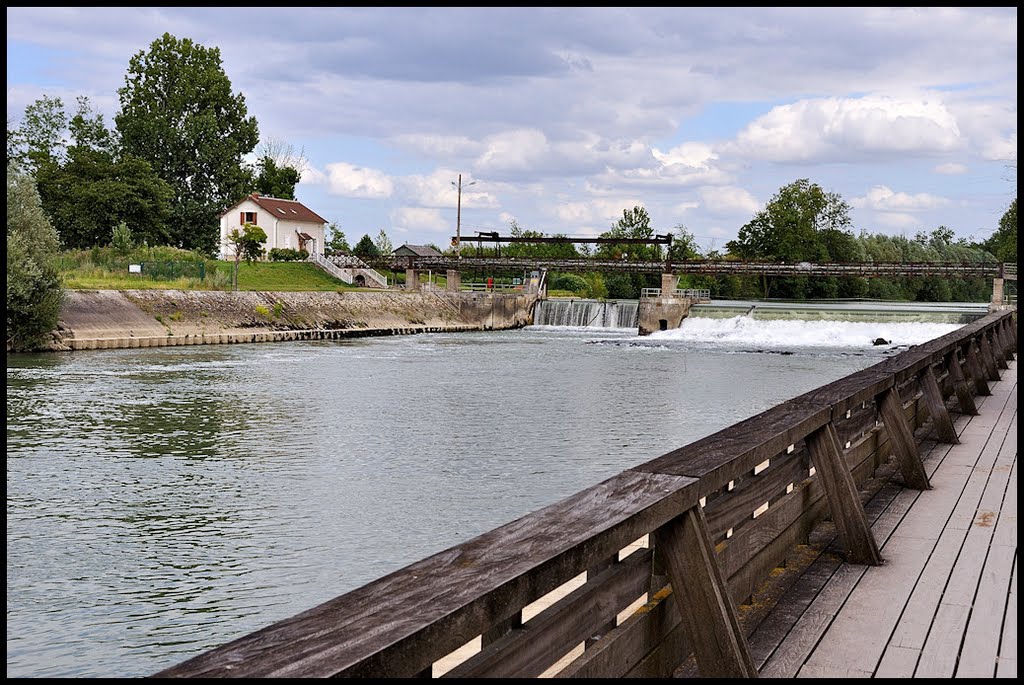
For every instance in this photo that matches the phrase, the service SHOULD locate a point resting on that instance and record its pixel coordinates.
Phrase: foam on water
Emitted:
(747, 332)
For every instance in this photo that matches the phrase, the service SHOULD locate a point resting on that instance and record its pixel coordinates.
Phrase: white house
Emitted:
(288, 224)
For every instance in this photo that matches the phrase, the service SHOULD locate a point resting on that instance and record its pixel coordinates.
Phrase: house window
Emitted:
(249, 218)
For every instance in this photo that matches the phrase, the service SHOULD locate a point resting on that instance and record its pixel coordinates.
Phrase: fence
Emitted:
(168, 270)
(714, 518)
(689, 293)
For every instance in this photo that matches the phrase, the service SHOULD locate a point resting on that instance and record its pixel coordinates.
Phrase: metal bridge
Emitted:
(710, 267)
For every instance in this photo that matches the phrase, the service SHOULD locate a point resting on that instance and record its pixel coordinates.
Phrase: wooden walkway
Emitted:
(944, 603)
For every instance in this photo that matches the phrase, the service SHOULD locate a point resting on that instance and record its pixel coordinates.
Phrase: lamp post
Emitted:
(458, 218)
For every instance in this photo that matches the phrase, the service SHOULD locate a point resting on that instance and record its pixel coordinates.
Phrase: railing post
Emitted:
(937, 407)
(843, 497)
(1005, 340)
(902, 440)
(995, 347)
(708, 615)
(987, 358)
(975, 370)
(963, 392)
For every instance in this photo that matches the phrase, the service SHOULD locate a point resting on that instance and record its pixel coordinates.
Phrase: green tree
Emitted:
(684, 245)
(1003, 243)
(365, 248)
(39, 141)
(121, 239)
(246, 244)
(88, 186)
(34, 292)
(337, 243)
(383, 243)
(179, 114)
(800, 223)
(276, 181)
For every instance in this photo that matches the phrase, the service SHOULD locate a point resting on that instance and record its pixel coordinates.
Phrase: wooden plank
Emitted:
(980, 650)
(963, 392)
(938, 659)
(529, 650)
(863, 419)
(902, 439)
(618, 652)
(843, 498)
(1006, 667)
(703, 599)
(735, 507)
(399, 624)
(937, 407)
(733, 452)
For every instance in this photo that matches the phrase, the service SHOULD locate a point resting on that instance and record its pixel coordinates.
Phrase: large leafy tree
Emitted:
(178, 113)
(86, 184)
(34, 292)
(801, 223)
(39, 141)
(1003, 243)
(634, 223)
(276, 181)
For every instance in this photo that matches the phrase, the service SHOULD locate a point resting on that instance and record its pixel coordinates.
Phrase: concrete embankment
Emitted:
(108, 319)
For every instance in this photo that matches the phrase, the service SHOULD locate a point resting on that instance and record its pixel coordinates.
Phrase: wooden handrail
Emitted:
(718, 515)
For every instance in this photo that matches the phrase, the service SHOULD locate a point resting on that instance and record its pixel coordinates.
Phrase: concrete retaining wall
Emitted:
(156, 318)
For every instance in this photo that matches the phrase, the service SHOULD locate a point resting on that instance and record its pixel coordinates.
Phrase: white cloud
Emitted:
(358, 182)
(898, 220)
(439, 147)
(1001, 149)
(440, 189)
(951, 169)
(884, 199)
(518, 150)
(729, 200)
(414, 220)
(310, 175)
(837, 129)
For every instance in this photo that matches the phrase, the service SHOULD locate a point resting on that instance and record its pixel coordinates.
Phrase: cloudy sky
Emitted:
(560, 118)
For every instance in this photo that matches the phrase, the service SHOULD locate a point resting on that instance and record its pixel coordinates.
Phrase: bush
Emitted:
(34, 292)
(570, 282)
(286, 254)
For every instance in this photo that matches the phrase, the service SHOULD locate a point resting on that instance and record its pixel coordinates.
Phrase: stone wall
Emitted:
(146, 318)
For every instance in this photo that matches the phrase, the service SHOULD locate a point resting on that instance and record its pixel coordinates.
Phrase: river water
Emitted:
(161, 502)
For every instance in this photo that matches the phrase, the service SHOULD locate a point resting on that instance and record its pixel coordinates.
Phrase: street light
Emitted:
(458, 218)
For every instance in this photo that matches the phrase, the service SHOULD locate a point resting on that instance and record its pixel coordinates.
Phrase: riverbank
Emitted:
(109, 319)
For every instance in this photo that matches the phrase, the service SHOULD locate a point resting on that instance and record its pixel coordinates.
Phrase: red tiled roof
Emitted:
(287, 210)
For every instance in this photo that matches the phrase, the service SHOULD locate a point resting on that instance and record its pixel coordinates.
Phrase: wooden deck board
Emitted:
(1006, 667)
(950, 575)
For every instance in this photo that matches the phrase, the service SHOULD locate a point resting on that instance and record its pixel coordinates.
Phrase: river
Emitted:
(163, 501)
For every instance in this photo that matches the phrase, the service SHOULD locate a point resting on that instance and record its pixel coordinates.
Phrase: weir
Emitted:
(586, 313)
(676, 566)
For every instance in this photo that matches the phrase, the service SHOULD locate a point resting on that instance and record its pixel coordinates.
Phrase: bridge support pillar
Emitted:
(997, 293)
(454, 281)
(412, 279)
(669, 283)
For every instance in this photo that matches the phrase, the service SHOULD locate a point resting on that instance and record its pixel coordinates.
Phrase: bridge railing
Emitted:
(713, 519)
(688, 293)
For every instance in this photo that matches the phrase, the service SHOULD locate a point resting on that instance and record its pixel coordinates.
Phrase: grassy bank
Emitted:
(168, 268)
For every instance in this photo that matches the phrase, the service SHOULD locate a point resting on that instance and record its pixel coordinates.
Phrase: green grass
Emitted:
(283, 276)
(104, 269)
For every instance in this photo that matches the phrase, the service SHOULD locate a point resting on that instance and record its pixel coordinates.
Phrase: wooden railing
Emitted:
(714, 518)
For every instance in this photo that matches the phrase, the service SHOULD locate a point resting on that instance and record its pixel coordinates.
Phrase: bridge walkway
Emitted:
(944, 603)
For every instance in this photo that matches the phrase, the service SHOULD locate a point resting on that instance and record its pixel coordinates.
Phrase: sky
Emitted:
(559, 119)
